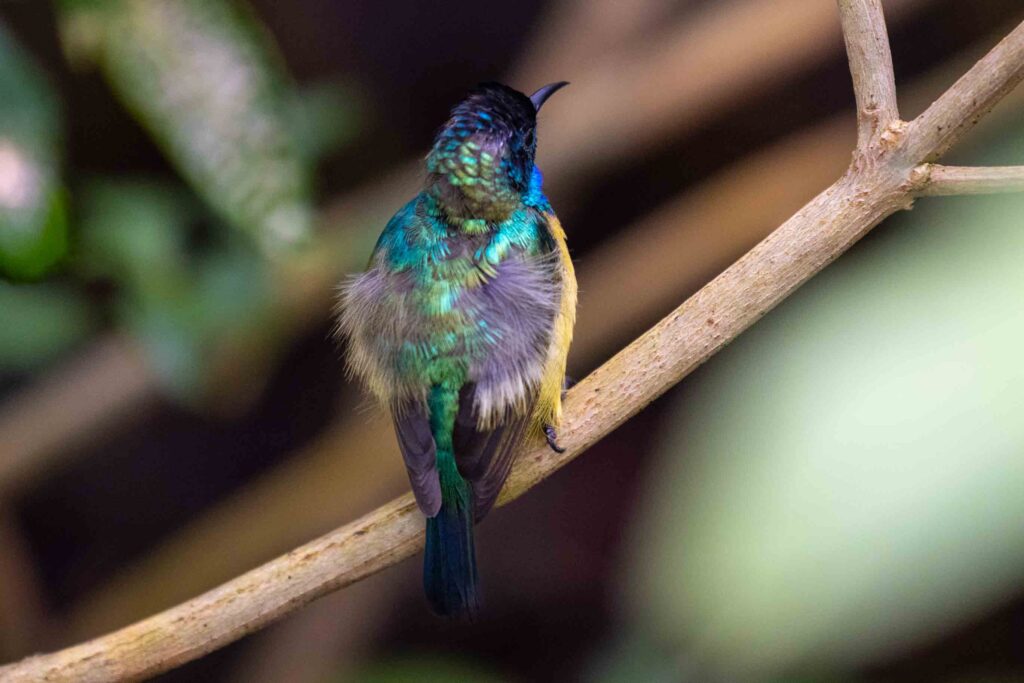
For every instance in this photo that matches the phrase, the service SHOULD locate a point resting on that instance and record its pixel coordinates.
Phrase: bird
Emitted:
(460, 325)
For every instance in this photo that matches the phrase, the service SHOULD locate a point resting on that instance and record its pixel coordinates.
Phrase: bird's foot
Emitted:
(567, 384)
(552, 438)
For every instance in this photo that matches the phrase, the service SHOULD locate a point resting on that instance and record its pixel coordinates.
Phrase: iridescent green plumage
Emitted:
(462, 323)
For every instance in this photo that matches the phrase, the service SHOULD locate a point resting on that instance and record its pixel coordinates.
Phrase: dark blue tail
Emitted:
(449, 564)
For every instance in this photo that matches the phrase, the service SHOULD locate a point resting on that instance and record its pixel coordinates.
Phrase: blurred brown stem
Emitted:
(23, 617)
(880, 181)
(569, 33)
(72, 405)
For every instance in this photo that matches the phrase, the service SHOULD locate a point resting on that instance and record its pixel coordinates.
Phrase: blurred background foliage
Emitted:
(852, 478)
(835, 497)
(33, 221)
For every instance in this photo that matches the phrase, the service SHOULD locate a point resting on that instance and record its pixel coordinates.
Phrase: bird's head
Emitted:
(482, 160)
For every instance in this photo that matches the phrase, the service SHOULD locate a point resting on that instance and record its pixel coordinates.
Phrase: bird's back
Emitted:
(440, 304)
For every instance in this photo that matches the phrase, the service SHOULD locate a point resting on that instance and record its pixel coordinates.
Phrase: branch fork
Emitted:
(893, 164)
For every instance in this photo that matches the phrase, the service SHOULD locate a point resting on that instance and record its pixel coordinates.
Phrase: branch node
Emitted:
(920, 175)
(893, 135)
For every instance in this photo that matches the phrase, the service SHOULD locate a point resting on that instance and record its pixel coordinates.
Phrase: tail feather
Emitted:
(449, 566)
(449, 563)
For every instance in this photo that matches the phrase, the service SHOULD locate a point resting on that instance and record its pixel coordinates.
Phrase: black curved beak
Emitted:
(541, 96)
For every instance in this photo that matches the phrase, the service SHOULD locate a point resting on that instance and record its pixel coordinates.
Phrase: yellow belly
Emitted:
(549, 399)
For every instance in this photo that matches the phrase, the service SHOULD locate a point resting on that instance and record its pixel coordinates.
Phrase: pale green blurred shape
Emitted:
(40, 321)
(848, 477)
(33, 221)
(636, 658)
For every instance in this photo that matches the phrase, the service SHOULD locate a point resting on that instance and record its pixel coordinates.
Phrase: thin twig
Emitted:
(816, 235)
(867, 49)
(951, 180)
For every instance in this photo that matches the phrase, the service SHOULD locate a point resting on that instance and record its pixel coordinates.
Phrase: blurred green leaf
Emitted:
(205, 79)
(33, 237)
(33, 220)
(40, 322)
(134, 231)
(185, 333)
(846, 478)
(181, 300)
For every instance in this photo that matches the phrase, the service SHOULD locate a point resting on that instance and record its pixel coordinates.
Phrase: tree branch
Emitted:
(815, 236)
(636, 285)
(956, 111)
(615, 392)
(951, 180)
(867, 49)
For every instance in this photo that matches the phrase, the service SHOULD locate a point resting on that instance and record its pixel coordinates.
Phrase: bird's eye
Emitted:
(529, 138)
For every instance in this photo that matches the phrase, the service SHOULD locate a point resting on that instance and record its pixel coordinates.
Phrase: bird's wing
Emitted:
(412, 426)
(485, 456)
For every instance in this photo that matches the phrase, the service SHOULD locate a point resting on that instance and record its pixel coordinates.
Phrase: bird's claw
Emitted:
(567, 384)
(552, 438)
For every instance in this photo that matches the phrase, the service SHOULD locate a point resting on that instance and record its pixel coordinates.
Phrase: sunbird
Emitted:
(461, 325)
